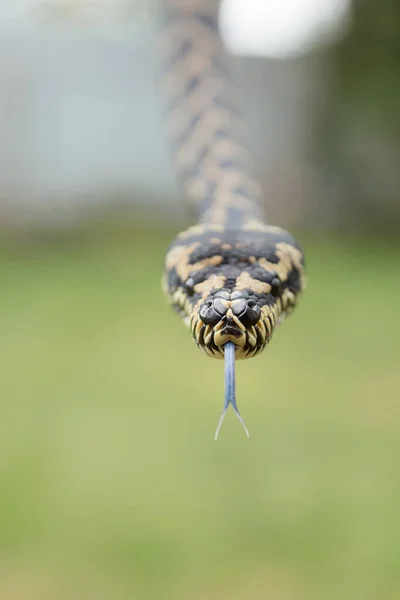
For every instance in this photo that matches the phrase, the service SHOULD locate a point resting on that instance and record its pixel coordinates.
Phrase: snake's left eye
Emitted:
(276, 286)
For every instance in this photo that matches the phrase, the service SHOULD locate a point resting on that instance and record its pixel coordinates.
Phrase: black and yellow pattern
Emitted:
(231, 277)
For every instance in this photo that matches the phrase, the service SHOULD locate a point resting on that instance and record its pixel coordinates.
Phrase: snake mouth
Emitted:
(248, 341)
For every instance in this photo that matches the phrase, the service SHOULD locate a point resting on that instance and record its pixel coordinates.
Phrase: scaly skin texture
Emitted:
(232, 277)
(233, 285)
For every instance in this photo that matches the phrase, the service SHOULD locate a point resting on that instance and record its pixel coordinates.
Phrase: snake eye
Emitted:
(276, 286)
(208, 315)
(251, 315)
(189, 286)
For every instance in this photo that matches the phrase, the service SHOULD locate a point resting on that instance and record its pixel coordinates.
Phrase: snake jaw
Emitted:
(248, 342)
(212, 336)
(230, 330)
(228, 315)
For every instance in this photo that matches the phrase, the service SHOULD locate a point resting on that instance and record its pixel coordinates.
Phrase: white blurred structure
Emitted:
(282, 28)
(80, 116)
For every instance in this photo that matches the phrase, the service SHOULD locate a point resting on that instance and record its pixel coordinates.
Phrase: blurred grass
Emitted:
(111, 484)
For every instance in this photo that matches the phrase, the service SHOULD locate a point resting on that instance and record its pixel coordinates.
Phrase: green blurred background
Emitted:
(111, 485)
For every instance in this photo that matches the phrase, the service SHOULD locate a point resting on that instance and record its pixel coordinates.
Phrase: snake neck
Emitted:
(209, 138)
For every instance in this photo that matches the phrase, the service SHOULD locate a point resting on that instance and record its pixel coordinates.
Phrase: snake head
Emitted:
(236, 316)
(227, 316)
(235, 287)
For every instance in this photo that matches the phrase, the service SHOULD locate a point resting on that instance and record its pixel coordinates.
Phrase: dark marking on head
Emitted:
(293, 281)
(173, 280)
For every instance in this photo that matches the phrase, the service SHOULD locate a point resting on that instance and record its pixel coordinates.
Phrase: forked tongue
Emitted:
(230, 388)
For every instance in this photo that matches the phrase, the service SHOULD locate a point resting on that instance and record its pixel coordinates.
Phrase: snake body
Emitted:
(231, 277)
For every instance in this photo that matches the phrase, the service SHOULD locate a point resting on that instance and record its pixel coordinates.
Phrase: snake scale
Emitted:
(231, 277)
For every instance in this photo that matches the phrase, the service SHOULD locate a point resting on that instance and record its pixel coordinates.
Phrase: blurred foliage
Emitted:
(112, 485)
(361, 126)
(368, 61)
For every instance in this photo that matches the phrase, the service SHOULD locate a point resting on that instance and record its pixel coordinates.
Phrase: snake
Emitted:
(231, 276)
